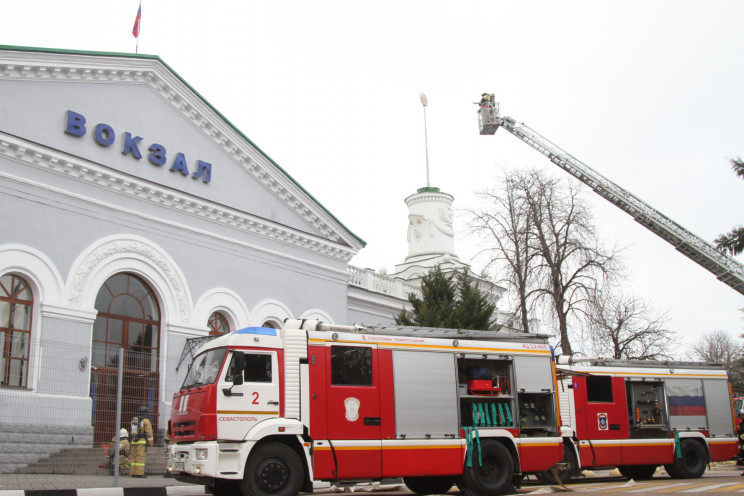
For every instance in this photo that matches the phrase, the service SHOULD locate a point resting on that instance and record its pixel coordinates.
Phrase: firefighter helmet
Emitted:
(142, 411)
(123, 433)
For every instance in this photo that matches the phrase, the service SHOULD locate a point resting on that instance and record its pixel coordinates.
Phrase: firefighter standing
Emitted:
(141, 431)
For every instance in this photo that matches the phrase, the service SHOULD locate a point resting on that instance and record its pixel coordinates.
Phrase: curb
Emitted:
(108, 491)
(172, 490)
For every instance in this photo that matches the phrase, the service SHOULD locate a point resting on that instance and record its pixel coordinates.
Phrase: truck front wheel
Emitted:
(693, 461)
(273, 469)
(637, 472)
(492, 472)
(224, 487)
(429, 485)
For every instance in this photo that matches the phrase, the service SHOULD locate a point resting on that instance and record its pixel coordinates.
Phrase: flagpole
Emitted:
(139, 29)
(424, 102)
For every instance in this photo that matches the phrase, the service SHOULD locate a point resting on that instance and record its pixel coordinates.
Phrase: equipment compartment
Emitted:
(536, 414)
(647, 409)
(484, 388)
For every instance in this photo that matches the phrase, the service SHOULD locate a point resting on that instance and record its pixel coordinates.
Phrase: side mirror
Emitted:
(239, 358)
(237, 377)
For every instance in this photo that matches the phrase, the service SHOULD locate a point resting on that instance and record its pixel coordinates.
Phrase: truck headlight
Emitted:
(201, 454)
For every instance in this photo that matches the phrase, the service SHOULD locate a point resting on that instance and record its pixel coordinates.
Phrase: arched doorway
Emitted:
(128, 317)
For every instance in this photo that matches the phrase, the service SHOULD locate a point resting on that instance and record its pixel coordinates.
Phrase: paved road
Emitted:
(718, 483)
(721, 479)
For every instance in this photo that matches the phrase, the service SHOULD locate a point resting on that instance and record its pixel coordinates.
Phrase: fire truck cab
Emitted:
(640, 414)
(268, 412)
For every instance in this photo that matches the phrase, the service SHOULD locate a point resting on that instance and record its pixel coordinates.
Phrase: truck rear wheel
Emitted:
(429, 485)
(569, 457)
(273, 469)
(693, 461)
(637, 472)
(493, 474)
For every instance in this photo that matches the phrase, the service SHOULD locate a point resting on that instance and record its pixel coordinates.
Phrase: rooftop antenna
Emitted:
(424, 102)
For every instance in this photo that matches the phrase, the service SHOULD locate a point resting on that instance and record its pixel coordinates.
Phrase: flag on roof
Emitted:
(136, 28)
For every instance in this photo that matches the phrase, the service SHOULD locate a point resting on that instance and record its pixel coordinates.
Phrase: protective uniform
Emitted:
(141, 432)
(124, 450)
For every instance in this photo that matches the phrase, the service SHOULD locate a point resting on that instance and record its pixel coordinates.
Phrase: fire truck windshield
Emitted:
(204, 368)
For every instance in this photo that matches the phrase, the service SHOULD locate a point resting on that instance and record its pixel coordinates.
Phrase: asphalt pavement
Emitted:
(152, 485)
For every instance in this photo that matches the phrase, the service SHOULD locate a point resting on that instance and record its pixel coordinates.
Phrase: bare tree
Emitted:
(720, 347)
(624, 326)
(543, 229)
(573, 262)
(505, 221)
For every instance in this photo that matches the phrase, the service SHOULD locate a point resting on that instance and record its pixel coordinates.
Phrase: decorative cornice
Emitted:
(32, 154)
(65, 312)
(153, 73)
(80, 279)
(429, 196)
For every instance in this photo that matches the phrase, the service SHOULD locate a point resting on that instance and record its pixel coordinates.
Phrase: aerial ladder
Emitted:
(725, 268)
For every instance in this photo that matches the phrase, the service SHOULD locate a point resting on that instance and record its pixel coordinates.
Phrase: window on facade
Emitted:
(16, 307)
(218, 324)
(599, 389)
(270, 325)
(128, 317)
(351, 366)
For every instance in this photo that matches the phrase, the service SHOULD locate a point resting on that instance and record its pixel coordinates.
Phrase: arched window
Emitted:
(270, 325)
(129, 318)
(16, 307)
(218, 324)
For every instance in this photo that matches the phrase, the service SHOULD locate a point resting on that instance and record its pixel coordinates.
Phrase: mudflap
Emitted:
(192, 479)
(517, 481)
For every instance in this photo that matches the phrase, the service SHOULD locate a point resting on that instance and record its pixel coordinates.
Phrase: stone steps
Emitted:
(90, 461)
(25, 444)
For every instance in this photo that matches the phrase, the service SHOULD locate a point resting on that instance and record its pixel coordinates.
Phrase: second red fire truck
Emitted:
(639, 415)
(267, 412)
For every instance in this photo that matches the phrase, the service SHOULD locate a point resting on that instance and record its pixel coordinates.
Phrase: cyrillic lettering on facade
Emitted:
(104, 134)
(75, 124)
(130, 145)
(179, 164)
(157, 154)
(203, 169)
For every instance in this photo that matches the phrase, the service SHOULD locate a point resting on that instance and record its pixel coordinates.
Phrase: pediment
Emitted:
(137, 112)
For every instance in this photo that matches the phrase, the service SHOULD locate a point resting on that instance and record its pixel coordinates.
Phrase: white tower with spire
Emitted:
(431, 237)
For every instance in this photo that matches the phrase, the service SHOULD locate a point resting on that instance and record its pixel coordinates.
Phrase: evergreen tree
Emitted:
(733, 241)
(448, 302)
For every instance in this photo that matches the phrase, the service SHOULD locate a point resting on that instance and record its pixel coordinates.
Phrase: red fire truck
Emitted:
(268, 412)
(639, 414)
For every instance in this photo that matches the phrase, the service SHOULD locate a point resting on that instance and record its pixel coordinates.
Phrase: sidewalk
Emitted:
(17, 484)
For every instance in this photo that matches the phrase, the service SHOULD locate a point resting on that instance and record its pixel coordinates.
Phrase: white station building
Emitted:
(134, 213)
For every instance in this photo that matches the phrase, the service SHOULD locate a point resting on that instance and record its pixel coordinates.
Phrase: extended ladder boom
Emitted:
(725, 268)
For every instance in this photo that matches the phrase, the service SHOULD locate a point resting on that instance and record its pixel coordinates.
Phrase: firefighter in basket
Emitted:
(124, 450)
(141, 432)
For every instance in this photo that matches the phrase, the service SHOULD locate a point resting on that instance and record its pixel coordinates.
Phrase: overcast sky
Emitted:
(648, 93)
